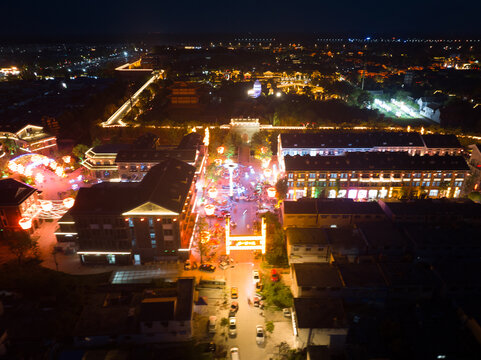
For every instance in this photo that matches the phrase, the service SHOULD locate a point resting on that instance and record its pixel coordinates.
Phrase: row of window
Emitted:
(354, 175)
(302, 184)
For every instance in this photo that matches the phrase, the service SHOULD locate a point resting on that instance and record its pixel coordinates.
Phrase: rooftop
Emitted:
(13, 192)
(153, 156)
(166, 185)
(110, 148)
(329, 139)
(409, 274)
(331, 206)
(382, 234)
(367, 275)
(324, 313)
(374, 161)
(441, 141)
(317, 274)
(313, 236)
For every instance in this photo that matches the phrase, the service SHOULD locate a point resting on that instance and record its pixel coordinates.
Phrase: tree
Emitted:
(79, 151)
(364, 99)
(269, 327)
(475, 196)
(261, 145)
(281, 189)
(21, 244)
(200, 230)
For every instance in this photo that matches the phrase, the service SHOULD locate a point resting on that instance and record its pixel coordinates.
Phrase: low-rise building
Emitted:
(319, 322)
(325, 213)
(363, 282)
(375, 175)
(432, 211)
(410, 281)
(307, 245)
(169, 318)
(18, 201)
(347, 242)
(384, 240)
(100, 160)
(145, 221)
(30, 138)
(315, 280)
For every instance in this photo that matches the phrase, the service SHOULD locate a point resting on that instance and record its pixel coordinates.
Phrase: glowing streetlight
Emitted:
(67, 159)
(25, 223)
(218, 162)
(267, 172)
(39, 178)
(220, 150)
(231, 166)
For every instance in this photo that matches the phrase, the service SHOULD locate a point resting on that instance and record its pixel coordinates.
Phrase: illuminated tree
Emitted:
(281, 189)
(201, 247)
(79, 151)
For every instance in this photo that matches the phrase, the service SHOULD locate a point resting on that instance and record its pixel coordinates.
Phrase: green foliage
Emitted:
(79, 151)
(281, 189)
(224, 322)
(261, 145)
(276, 252)
(202, 225)
(269, 327)
(277, 294)
(475, 196)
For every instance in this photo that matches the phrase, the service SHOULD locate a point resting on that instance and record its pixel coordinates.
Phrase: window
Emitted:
(426, 183)
(322, 176)
(320, 249)
(153, 243)
(152, 235)
(151, 222)
(166, 221)
(312, 175)
(344, 176)
(308, 249)
(417, 175)
(332, 183)
(168, 232)
(295, 249)
(333, 176)
(290, 175)
(144, 168)
(290, 184)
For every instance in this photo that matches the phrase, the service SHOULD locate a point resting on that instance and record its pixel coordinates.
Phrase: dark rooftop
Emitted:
(166, 184)
(110, 148)
(365, 161)
(317, 274)
(382, 234)
(191, 141)
(329, 139)
(153, 156)
(331, 206)
(306, 236)
(441, 141)
(13, 192)
(362, 275)
(318, 313)
(409, 274)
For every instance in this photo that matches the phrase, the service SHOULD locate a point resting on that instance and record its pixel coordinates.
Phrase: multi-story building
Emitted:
(124, 162)
(327, 213)
(146, 221)
(184, 94)
(100, 160)
(30, 138)
(340, 143)
(18, 201)
(374, 175)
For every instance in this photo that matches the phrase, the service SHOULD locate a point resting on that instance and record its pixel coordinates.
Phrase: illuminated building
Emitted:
(184, 94)
(31, 138)
(375, 175)
(340, 143)
(17, 201)
(118, 223)
(100, 160)
(256, 90)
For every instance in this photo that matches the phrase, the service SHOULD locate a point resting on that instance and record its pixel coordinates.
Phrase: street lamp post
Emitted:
(230, 167)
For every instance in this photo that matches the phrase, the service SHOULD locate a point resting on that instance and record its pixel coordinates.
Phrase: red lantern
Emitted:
(271, 192)
(209, 209)
(212, 192)
(68, 202)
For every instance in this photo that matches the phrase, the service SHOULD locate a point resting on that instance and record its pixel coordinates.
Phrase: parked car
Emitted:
(260, 338)
(208, 347)
(256, 301)
(234, 353)
(255, 276)
(259, 286)
(274, 275)
(223, 265)
(207, 267)
(212, 324)
(234, 293)
(232, 326)
(187, 265)
(234, 307)
(286, 312)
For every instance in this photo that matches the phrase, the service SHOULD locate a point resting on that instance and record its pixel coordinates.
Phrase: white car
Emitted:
(232, 326)
(286, 312)
(234, 353)
(260, 335)
(255, 276)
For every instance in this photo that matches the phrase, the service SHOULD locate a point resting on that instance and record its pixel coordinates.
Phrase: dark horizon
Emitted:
(31, 20)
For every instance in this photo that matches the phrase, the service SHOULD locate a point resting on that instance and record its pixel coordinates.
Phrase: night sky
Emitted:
(345, 17)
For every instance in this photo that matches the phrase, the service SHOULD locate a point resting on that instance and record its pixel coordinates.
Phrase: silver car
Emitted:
(232, 326)
(260, 336)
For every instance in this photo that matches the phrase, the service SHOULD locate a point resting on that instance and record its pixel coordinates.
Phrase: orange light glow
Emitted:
(271, 192)
(209, 209)
(68, 202)
(25, 223)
